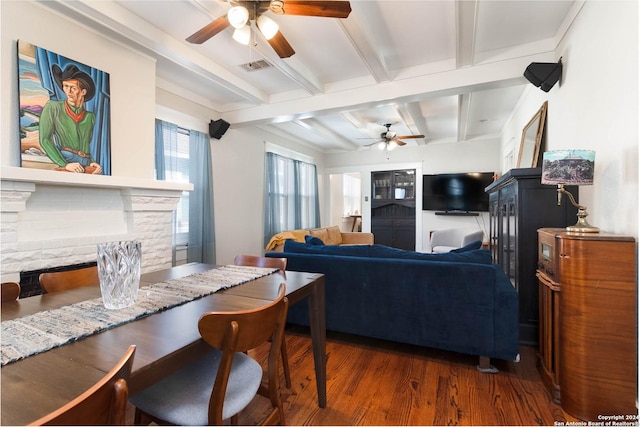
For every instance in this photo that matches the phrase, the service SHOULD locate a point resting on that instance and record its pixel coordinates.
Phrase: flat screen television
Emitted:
(456, 192)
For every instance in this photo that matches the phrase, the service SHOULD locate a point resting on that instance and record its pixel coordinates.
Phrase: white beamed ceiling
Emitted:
(451, 70)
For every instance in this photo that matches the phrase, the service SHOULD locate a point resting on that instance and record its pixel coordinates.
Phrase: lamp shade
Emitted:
(267, 27)
(242, 35)
(238, 16)
(570, 167)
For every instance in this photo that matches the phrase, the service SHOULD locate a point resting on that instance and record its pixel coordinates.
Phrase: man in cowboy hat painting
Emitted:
(66, 128)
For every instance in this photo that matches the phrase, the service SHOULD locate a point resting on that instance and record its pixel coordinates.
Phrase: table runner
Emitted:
(42, 331)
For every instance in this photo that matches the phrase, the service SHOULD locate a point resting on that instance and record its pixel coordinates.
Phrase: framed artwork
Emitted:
(531, 142)
(64, 113)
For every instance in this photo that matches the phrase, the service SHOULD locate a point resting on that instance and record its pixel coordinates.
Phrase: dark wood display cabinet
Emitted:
(393, 208)
(519, 204)
(588, 353)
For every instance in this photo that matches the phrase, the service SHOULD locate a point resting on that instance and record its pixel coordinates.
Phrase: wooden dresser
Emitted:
(588, 322)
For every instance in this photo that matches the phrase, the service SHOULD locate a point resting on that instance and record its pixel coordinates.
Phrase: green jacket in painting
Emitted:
(73, 128)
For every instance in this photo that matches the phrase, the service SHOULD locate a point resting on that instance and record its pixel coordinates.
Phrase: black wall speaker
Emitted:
(544, 74)
(217, 128)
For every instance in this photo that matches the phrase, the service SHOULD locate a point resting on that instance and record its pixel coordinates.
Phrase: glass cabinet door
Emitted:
(404, 185)
(381, 185)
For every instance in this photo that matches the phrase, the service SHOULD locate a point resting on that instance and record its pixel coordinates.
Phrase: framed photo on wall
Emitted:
(64, 113)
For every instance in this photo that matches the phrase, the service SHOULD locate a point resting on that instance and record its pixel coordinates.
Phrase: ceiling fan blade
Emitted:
(327, 9)
(410, 136)
(281, 45)
(209, 30)
(400, 143)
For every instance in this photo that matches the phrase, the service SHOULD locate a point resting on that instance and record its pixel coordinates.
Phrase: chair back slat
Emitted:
(105, 403)
(10, 291)
(256, 261)
(256, 326)
(63, 280)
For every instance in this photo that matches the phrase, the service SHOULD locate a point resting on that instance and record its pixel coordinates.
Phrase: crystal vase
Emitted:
(119, 273)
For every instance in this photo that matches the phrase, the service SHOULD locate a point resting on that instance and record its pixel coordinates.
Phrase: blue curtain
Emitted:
(272, 213)
(291, 195)
(159, 152)
(100, 104)
(202, 244)
(201, 233)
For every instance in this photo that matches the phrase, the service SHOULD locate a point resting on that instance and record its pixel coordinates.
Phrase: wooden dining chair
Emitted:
(281, 263)
(10, 291)
(63, 280)
(257, 261)
(218, 385)
(103, 404)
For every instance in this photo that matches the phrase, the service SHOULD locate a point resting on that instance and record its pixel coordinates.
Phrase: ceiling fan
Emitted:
(243, 12)
(391, 140)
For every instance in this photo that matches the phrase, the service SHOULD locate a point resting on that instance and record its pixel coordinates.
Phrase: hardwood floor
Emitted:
(371, 382)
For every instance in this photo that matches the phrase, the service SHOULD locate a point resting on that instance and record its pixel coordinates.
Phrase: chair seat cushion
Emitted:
(183, 397)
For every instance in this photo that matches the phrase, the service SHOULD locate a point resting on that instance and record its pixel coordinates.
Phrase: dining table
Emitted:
(165, 341)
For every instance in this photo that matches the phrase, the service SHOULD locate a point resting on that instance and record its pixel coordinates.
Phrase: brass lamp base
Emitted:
(582, 226)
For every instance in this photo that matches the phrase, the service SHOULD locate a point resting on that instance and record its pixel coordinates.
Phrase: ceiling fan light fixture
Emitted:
(238, 16)
(382, 145)
(391, 145)
(242, 35)
(267, 27)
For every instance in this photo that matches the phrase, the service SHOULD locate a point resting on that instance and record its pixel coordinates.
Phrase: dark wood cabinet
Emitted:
(393, 208)
(519, 204)
(588, 330)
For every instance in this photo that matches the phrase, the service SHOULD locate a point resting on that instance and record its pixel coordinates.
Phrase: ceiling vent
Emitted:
(255, 66)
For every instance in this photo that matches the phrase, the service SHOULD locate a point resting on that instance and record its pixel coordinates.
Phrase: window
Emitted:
(351, 192)
(291, 195)
(176, 157)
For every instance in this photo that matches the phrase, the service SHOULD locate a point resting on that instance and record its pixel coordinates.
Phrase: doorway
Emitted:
(346, 201)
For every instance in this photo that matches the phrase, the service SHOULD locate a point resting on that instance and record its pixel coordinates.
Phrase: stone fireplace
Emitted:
(55, 219)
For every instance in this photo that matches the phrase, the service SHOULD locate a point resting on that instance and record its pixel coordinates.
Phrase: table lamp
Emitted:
(570, 167)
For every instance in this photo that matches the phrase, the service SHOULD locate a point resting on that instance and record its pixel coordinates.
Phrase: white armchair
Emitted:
(454, 238)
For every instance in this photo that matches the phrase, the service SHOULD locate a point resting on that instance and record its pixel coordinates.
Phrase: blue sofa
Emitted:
(455, 301)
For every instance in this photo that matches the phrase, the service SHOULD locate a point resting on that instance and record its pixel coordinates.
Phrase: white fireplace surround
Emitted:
(52, 219)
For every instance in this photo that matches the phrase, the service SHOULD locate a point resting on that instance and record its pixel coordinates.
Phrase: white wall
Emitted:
(595, 106)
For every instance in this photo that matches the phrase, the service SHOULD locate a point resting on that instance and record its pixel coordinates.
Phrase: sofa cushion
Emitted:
(478, 256)
(328, 235)
(320, 233)
(477, 244)
(313, 240)
(303, 248)
(335, 235)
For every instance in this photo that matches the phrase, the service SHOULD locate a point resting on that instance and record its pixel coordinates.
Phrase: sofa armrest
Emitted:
(357, 238)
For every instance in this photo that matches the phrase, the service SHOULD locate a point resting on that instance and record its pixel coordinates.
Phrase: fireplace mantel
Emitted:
(47, 177)
(51, 219)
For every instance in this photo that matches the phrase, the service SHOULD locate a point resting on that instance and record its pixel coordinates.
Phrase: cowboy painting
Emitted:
(66, 128)
(64, 113)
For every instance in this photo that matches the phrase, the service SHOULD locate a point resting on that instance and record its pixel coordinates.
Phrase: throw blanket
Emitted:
(42, 331)
(278, 239)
